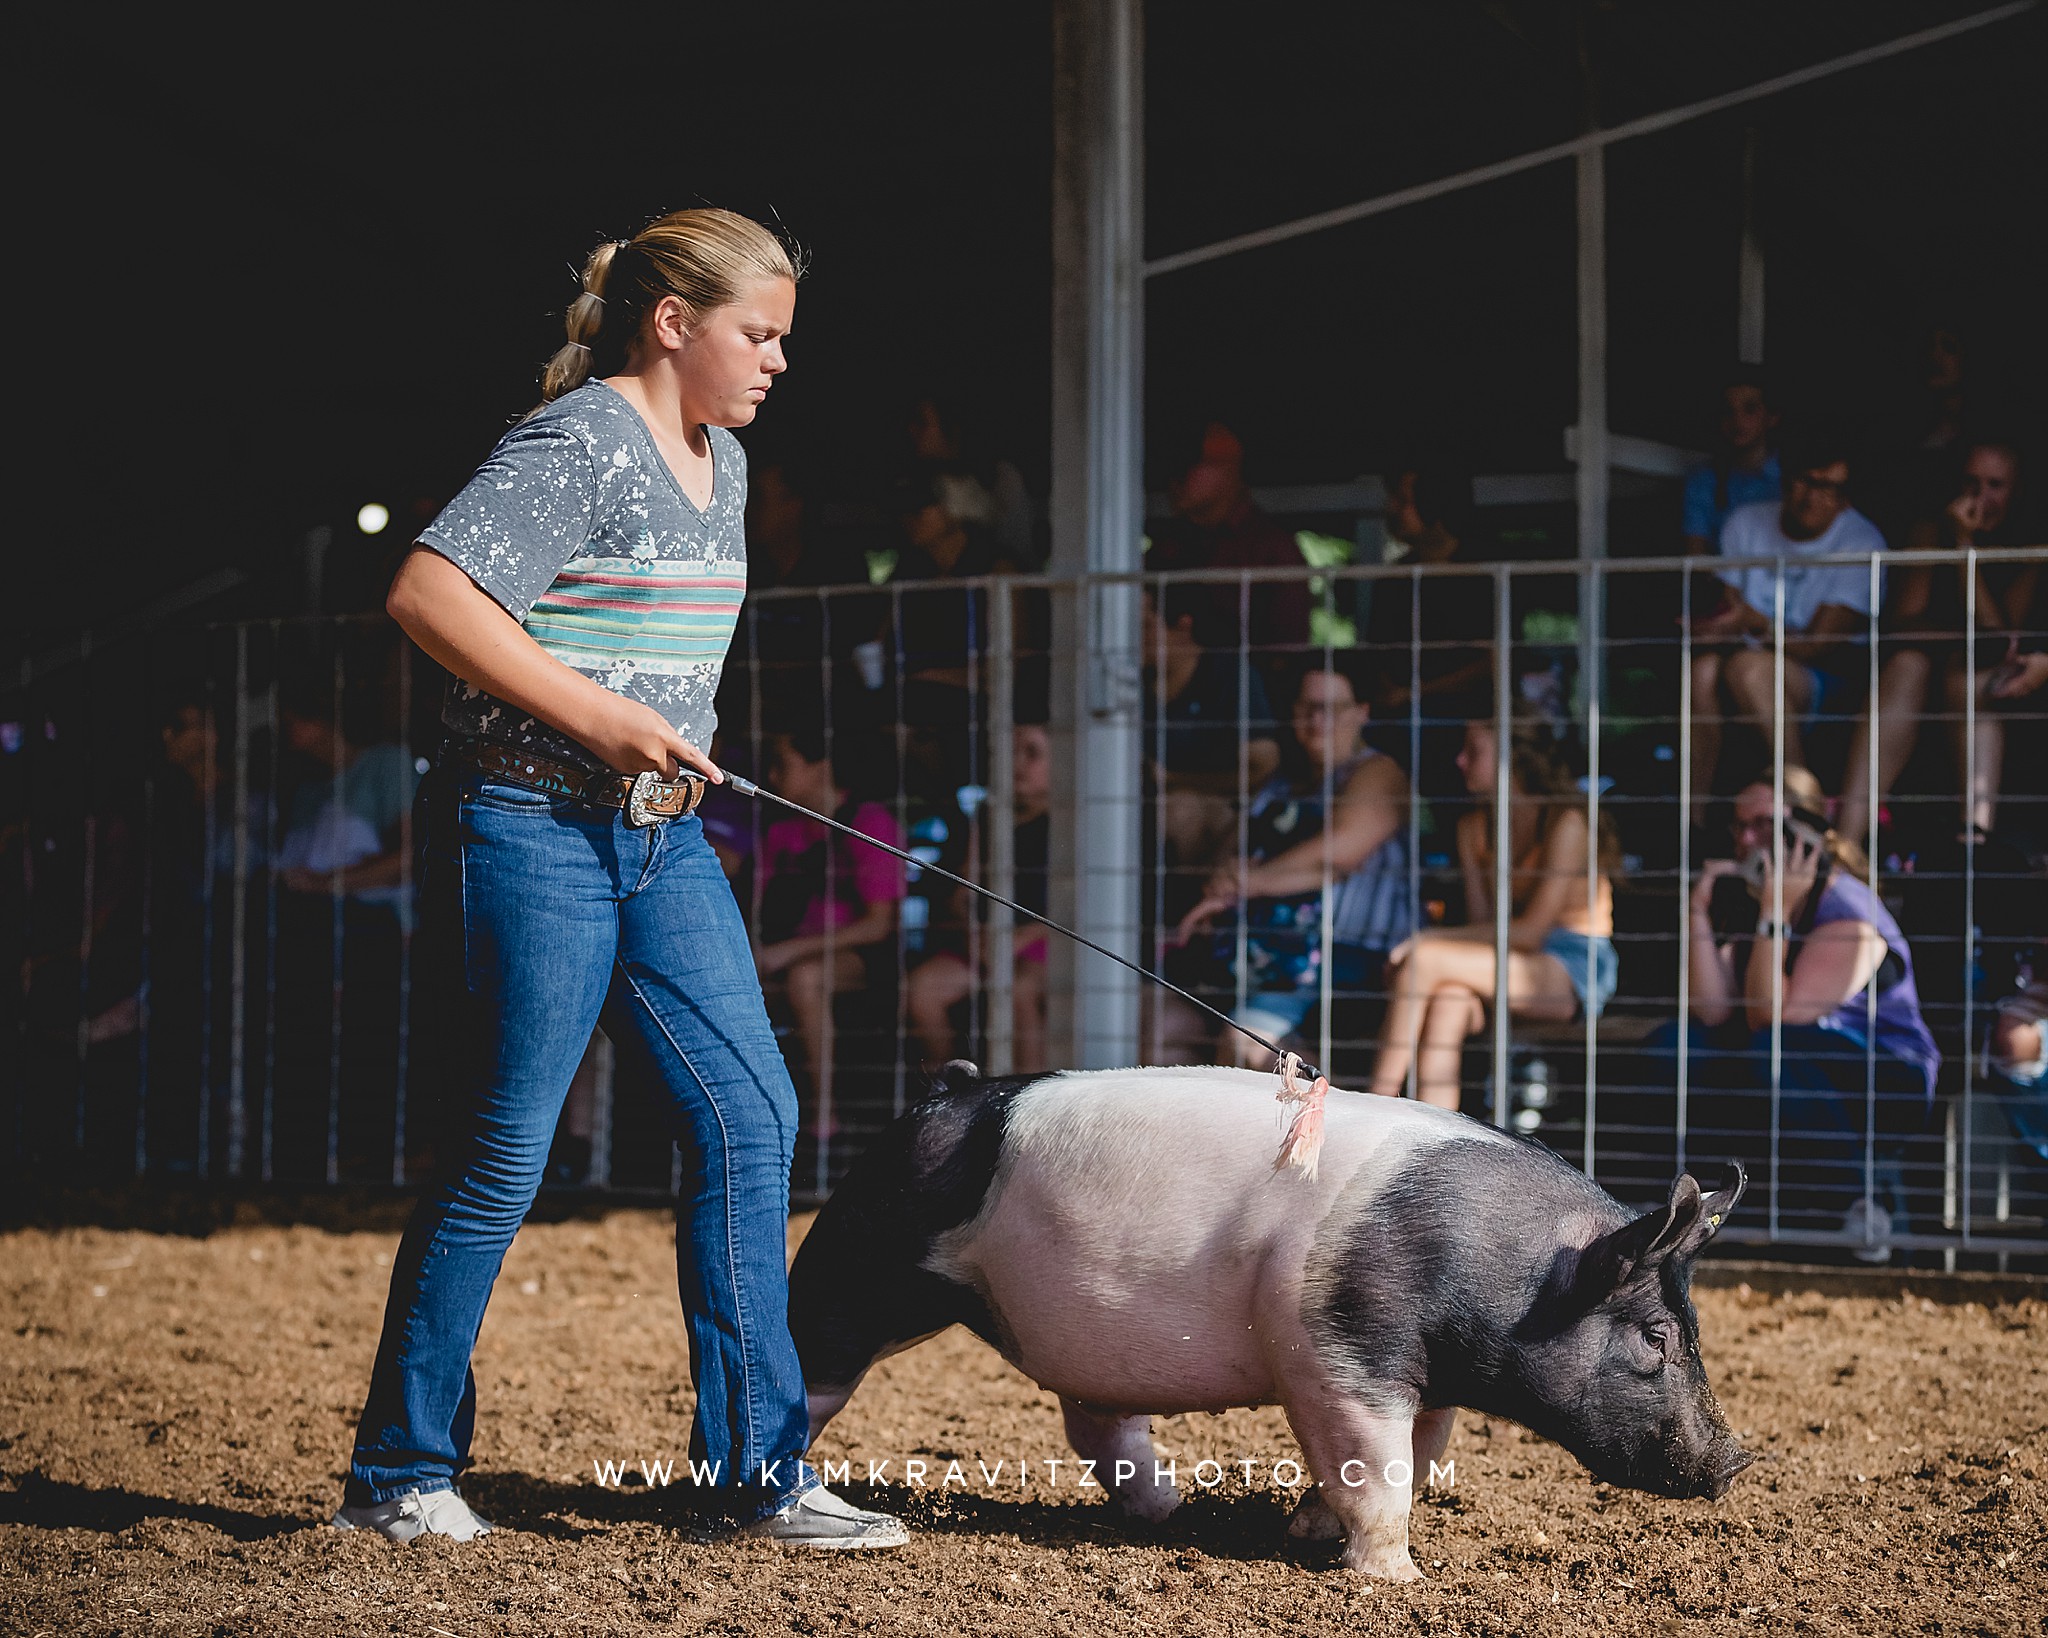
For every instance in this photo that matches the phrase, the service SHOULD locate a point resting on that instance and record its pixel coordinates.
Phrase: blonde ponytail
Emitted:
(704, 258)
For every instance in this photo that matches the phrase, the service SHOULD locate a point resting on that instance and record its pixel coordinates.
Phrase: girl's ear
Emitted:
(669, 323)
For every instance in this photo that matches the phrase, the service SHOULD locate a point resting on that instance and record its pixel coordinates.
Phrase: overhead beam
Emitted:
(1589, 142)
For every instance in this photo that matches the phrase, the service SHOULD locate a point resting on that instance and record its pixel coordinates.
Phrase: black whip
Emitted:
(747, 787)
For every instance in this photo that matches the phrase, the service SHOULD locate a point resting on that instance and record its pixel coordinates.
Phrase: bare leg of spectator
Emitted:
(1752, 686)
(1901, 697)
(1706, 728)
(936, 988)
(1984, 776)
(1460, 972)
(811, 988)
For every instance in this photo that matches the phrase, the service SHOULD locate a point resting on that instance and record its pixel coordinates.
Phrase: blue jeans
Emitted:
(543, 915)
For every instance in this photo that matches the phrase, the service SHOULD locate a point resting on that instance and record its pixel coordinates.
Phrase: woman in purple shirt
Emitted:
(1819, 947)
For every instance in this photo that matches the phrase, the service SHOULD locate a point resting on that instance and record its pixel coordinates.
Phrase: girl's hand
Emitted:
(1801, 862)
(2019, 676)
(1197, 919)
(636, 738)
(1400, 952)
(1966, 512)
(1703, 890)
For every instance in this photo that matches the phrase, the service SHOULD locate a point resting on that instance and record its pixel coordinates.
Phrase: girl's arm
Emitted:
(464, 630)
(1369, 809)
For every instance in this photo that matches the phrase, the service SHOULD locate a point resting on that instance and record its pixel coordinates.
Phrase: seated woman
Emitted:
(1336, 813)
(1835, 944)
(1925, 649)
(953, 970)
(829, 905)
(1560, 947)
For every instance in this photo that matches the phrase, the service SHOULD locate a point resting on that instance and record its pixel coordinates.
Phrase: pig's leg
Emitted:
(1109, 1440)
(1432, 1434)
(1357, 1457)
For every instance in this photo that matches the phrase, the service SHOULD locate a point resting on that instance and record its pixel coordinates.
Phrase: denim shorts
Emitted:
(1590, 963)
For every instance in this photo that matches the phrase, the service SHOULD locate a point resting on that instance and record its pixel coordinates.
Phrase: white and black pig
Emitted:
(1124, 1238)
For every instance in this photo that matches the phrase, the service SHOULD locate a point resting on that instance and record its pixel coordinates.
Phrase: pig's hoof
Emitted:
(1386, 1566)
(1150, 1505)
(1313, 1520)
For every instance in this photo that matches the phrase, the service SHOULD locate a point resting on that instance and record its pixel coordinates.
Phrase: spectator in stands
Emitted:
(940, 445)
(1428, 668)
(1217, 735)
(1827, 607)
(951, 973)
(1561, 958)
(1217, 525)
(347, 815)
(1744, 467)
(828, 904)
(1835, 940)
(1334, 817)
(1928, 642)
(943, 635)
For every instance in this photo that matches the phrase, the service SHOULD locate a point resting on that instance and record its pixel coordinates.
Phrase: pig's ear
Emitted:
(1636, 1250)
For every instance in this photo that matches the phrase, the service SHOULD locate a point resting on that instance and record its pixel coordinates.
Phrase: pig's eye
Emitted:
(1647, 1344)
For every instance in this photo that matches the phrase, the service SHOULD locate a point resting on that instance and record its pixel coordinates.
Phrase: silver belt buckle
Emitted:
(652, 799)
(648, 788)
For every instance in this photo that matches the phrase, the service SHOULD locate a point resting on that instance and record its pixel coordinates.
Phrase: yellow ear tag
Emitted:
(1714, 1221)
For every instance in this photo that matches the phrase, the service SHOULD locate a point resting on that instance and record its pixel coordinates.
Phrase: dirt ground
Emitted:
(176, 1410)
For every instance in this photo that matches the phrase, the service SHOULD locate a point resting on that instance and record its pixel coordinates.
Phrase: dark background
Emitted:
(278, 264)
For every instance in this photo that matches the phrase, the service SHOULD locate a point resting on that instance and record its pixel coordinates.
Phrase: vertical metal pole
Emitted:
(399, 1110)
(270, 818)
(1098, 501)
(1240, 965)
(1874, 599)
(1969, 885)
(902, 1084)
(1749, 276)
(337, 922)
(1772, 950)
(1414, 1088)
(828, 1045)
(209, 799)
(1503, 839)
(238, 979)
(1159, 879)
(1326, 928)
(1683, 1111)
(1001, 808)
(1595, 598)
(1591, 484)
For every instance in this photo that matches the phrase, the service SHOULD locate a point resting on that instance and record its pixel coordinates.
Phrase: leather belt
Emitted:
(647, 798)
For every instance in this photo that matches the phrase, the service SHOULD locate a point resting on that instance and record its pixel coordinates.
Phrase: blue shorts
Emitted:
(1590, 963)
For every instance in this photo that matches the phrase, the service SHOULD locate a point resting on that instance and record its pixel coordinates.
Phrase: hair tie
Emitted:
(594, 296)
(581, 345)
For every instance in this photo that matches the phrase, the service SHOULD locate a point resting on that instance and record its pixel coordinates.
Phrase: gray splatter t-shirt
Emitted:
(578, 528)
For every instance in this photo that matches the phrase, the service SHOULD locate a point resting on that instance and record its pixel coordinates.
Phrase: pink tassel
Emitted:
(1304, 1143)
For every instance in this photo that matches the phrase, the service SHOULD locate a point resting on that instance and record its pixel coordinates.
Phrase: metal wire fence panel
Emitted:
(1360, 801)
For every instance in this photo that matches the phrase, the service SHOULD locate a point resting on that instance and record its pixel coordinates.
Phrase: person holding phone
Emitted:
(1814, 947)
(581, 592)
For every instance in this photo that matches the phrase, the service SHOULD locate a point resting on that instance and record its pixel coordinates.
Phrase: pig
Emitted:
(1126, 1240)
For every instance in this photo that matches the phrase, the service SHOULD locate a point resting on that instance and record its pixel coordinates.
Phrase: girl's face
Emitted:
(1477, 760)
(727, 361)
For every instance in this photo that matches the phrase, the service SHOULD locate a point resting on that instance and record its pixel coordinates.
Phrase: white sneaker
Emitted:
(416, 1514)
(1870, 1226)
(818, 1518)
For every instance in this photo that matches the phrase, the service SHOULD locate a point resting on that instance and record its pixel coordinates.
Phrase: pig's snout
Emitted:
(1732, 1462)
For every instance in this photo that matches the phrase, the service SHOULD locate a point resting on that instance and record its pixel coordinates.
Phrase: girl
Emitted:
(581, 592)
(1560, 949)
